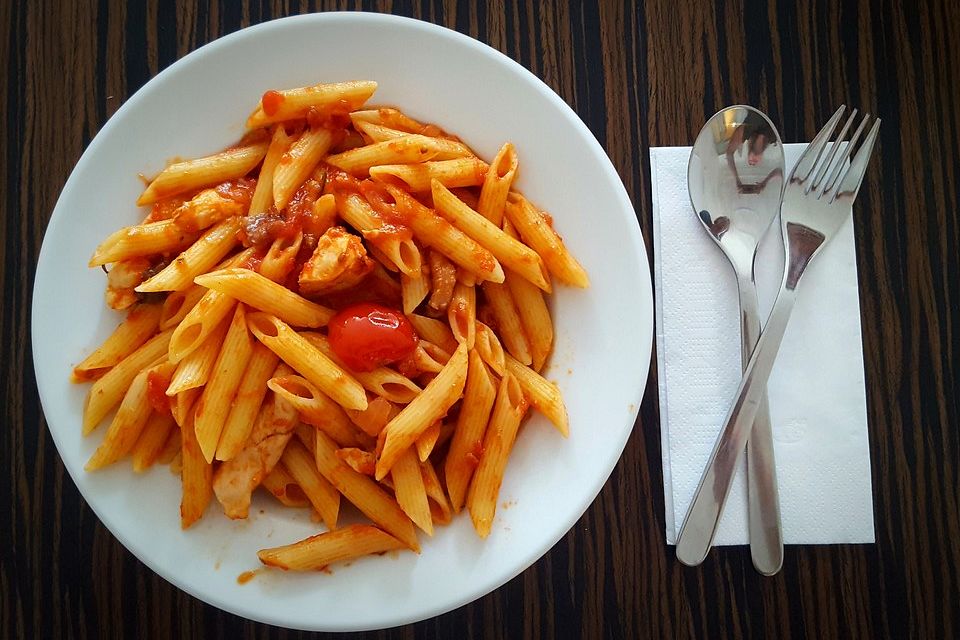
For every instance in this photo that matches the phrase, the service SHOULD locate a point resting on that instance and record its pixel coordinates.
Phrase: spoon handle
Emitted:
(766, 539)
(703, 516)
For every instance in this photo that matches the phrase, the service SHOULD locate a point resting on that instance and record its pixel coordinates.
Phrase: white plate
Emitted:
(604, 334)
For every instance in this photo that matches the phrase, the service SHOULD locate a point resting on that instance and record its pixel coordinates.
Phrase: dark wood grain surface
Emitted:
(639, 75)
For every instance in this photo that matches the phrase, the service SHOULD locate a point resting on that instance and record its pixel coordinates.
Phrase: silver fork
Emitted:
(817, 200)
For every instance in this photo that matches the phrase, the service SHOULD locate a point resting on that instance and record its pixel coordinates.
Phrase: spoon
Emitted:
(735, 178)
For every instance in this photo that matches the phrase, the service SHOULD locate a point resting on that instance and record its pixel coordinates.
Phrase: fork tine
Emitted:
(853, 178)
(828, 162)
(808, 160)
(842, 166)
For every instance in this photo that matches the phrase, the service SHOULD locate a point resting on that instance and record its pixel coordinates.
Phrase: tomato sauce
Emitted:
(164, 209)
(383, 203)
(157, 392)
(335, 116)
(271, 102)
(239, 190)
(300, 206)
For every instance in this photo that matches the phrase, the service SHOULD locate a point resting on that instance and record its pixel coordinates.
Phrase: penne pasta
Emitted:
(444, 149)
(143, 240)
(439, 234)
(510, 252)
(395, 242)
(322, 495)
(383, 381)
(508, 410)
(178, 304)
(466, 278)
(428, 407)
(544, 396)
(459, 172)
(427, 440)
(406, 150)
(197, 325)
(375, 417)
(204, 317)
(291, 104)
(263, 194)
(466, 444)
(307, 360)
(433, 330)
(298, 162)
(507, 315)
(538, 233)
(281, 257)
(176, 467)
(316, 552)
(182, 403)
(323, 214)
(171, 447)
(196, 475)
(375, 132)
(414, 289)
(462, 314)
(393, 118)
(198, 259)
(424, 361)
(152, 440)
(535, 317)
(439, 505)
(489, 349)
(281, 485)
(408, 487)
(194, 370)
(213, 407)
(365, 494)
(181, 177)
(536, 321)
(126, 426)
(265, 295)
(107, 391)
(315, 408)
(246, 405)
(496, 186)
(139, 325)
(361, 461)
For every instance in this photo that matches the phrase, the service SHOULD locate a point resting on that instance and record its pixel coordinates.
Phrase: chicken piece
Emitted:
(339, 262)
(121, 279)
(207, 208)
(235, 479)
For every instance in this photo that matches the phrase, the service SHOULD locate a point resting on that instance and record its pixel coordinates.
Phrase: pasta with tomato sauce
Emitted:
(334, 307)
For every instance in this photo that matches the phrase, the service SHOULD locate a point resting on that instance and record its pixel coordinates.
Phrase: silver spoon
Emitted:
(735, 178)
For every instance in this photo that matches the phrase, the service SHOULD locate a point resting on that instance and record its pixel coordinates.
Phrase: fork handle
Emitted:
(766, 536)
(700, 525)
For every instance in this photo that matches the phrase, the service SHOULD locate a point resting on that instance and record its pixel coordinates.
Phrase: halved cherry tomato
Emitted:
(366, 336)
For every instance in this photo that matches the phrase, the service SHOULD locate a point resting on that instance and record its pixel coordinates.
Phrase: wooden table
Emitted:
(639, 76)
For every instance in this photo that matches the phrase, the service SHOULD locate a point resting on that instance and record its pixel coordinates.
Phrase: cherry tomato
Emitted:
(367, 335)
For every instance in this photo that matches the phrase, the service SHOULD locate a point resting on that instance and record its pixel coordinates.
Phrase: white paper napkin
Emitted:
(816, 391)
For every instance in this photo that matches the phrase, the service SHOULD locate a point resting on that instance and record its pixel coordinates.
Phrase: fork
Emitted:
(817, 200)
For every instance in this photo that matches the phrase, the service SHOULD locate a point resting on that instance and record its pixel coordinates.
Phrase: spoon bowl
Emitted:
(736, 178)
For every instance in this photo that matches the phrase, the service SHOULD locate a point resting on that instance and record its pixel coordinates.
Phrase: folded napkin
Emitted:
(816, 391)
